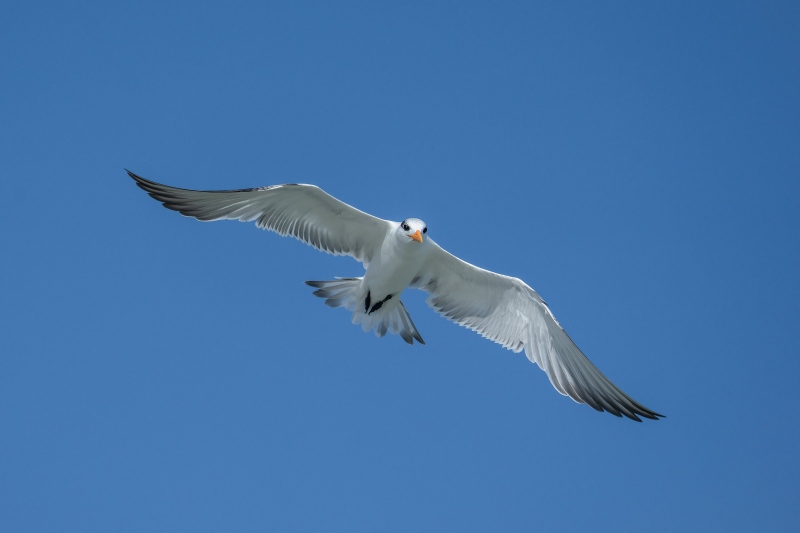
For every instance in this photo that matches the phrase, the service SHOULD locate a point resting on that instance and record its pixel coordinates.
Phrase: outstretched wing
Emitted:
(304, 212)
(509, 312)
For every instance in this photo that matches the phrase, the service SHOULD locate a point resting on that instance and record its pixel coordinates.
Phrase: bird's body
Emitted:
(399, 261)
(400, 255)
(393, 269)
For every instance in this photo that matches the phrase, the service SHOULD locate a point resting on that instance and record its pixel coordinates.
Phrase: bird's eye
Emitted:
(424, 230)
(406, 227)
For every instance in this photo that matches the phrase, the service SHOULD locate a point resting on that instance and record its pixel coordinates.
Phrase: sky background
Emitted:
(637, 163)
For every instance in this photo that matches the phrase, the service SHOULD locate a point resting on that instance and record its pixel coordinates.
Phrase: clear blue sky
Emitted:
(636, 163)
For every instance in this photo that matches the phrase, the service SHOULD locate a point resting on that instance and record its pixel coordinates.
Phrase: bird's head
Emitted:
(412, 230)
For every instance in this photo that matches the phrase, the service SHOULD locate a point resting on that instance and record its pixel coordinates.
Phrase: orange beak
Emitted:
(417, 236)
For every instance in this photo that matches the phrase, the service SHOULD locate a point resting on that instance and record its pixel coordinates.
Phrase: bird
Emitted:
(401, 255)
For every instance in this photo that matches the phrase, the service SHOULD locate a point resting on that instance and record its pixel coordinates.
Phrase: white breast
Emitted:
(391, 271)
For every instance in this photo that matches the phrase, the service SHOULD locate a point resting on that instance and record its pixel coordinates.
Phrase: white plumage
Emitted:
(398, 255)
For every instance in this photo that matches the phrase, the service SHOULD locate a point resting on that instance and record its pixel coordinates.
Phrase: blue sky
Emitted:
(636, 163)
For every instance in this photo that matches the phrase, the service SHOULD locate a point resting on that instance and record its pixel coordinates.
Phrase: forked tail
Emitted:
(391, 317)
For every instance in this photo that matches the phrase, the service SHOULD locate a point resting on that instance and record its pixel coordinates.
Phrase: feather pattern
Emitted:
(304, 212)
(510, 313)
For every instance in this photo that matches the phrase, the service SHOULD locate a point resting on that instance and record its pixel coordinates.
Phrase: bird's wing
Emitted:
(304, 212)
(509, 312)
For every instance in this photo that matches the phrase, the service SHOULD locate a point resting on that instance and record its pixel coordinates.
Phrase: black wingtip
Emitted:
(648, 414)
(139, 180)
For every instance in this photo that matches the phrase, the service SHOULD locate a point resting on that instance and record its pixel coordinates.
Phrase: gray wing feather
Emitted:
(304, 212)
(509, 312)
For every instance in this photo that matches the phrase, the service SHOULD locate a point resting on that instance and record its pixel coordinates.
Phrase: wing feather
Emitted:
(304, 212)
(509, 312)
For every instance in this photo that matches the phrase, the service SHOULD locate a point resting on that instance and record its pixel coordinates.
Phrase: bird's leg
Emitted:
(377, 305)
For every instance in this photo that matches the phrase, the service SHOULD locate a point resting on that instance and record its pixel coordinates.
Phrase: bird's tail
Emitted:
(341, 292)
(392, 317)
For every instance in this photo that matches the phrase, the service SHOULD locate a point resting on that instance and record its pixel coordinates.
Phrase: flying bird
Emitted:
(401, 255)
